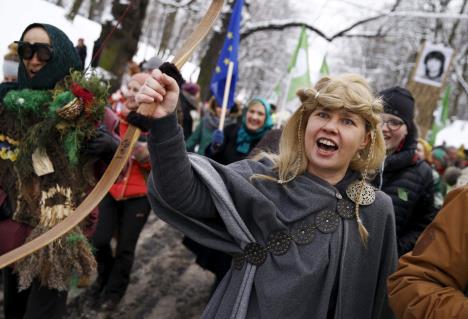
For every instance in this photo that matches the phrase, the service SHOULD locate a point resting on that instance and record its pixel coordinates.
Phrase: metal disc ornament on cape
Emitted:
(362, 192)
(255, 254)
(304, 234)
(279, 243)
(345, 208)
(327, 221)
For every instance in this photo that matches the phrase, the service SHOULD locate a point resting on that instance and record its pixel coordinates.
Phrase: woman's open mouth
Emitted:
(327, 145)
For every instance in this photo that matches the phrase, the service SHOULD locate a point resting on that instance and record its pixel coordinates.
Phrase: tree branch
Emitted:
(456, 24)
(358, 23)
(176, 4)
(250, 29)
(461, 80)
(278, 25)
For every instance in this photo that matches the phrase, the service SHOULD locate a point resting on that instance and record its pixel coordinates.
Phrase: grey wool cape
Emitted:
(331, 275)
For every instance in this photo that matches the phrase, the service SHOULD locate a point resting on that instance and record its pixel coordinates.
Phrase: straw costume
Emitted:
(44, 122)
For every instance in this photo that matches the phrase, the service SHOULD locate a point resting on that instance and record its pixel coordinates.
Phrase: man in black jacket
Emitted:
(82, 51)
(406, 179)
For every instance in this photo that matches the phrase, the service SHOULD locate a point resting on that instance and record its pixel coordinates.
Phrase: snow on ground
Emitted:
(165, 282)
(455, 134)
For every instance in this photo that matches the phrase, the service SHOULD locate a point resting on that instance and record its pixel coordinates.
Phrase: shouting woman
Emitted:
(310, 238)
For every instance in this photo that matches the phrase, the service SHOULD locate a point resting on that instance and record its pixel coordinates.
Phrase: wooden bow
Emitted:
(120, 157)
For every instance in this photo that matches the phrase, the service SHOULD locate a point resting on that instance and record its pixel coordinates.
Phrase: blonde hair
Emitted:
(350, 92)
(427, 150)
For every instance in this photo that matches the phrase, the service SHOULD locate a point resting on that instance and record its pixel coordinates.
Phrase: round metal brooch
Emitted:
(327, 221)
(279, 243)
(367, 195)
(304, 234)
(255, 254)
(345, 208)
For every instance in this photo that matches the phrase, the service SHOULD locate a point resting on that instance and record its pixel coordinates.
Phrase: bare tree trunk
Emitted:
(459, 91)
(453, 33)
(168, 30)
(456, 24)
(122, 45)
(209, 60)
(96, 8)
(74, 9)
(181, 33)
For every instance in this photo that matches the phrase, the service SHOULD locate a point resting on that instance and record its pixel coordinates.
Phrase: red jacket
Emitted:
(132, 182)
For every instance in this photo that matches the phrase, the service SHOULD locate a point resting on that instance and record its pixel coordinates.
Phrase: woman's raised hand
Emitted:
(160, 91)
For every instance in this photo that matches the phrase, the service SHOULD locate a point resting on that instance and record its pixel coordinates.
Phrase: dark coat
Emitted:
(82, 52)
(269, 143)
(228, 153)
(410, 184)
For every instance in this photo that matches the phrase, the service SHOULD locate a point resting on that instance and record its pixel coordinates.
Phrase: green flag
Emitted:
(298, 71)
(445, 106)
(324, 70)
(442, 120)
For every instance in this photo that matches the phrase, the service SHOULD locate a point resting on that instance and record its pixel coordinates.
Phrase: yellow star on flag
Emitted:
(218, 69)
(230, 48)
(226, 61)
(229, 35)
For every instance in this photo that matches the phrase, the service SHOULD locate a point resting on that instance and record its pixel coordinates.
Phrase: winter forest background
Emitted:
(378, 39)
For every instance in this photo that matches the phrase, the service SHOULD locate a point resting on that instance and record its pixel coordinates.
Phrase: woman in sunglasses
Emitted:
(33, 189)
(407, 179)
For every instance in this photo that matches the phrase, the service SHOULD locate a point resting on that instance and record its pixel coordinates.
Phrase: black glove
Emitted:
(171, 70)
(102, 145)
(144, 123)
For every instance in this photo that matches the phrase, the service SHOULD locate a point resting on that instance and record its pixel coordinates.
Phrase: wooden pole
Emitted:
(227, 88)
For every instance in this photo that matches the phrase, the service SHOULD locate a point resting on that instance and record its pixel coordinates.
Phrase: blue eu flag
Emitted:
(228, 54)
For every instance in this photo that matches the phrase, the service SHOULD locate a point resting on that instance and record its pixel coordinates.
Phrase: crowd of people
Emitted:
(343, 212)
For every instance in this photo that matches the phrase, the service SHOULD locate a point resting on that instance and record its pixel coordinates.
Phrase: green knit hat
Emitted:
(64, 59)
(440, 155)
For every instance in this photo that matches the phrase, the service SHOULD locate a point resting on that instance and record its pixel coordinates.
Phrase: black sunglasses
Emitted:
(26, 51)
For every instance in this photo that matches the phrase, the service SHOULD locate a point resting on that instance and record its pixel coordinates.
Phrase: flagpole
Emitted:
(227, 88)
